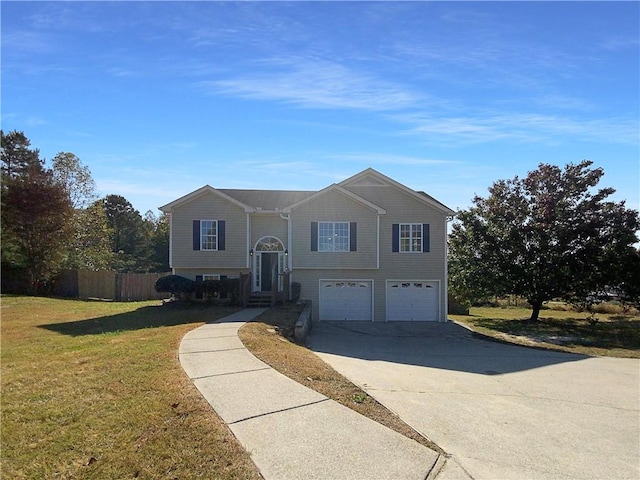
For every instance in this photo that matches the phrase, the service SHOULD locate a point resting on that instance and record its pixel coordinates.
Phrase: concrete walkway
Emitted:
(290, 431)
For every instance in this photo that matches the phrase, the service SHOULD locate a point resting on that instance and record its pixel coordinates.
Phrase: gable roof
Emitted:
(201, 191)
(249, 200)
(286, 200)
(373, 178)
(338, 188)
(267, 199)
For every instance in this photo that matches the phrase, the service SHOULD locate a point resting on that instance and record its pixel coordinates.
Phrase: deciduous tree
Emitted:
(36, 215)
(549, 235)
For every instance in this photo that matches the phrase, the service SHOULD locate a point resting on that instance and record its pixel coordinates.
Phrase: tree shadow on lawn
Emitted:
(153, 316)
(618, 332)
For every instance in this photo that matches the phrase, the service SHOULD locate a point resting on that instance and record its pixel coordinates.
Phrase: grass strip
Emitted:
(268, 338)
(612, 335)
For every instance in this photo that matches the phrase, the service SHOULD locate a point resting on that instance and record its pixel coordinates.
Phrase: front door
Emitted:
(268, 263)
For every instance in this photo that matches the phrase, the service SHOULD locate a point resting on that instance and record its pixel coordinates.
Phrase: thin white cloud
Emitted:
(618, 42)
(373, 159)
(523, 127)
(317, 84)
(293, 174)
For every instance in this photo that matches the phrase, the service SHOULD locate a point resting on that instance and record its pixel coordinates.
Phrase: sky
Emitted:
(158, 99)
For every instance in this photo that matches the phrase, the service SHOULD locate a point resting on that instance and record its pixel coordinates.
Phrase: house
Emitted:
(368, 248)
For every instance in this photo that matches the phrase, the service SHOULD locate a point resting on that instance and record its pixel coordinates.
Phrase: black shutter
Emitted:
(353, 237)
(425, 237)
(196, 234)
(314, 236)
(395, 237)
(221, 234)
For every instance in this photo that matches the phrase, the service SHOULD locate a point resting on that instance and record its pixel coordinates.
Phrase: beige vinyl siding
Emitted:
(272, 225)
(404, 208)
(334, 207)
(401, 208)
(209, 206)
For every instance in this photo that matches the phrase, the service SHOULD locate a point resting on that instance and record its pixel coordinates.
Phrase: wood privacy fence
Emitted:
(121, 287)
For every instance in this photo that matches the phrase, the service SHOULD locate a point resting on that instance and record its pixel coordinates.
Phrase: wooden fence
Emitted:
(121, 287)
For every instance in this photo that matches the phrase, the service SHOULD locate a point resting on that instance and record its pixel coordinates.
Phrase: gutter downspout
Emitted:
(248, 257)
(378, 245)
(449, 218)
(173, 271)
(288, 219)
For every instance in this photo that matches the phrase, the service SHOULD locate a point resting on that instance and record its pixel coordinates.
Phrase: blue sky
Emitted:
(160, 98)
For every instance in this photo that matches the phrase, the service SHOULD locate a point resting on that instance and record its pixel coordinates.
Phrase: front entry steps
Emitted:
(259, 300)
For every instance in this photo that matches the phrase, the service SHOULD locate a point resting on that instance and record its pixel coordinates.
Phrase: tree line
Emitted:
(52, 219)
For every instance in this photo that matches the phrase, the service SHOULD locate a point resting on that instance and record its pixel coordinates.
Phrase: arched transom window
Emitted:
(269, 244)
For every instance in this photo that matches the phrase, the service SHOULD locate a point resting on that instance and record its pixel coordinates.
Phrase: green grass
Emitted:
(94, 390)
(613, 335)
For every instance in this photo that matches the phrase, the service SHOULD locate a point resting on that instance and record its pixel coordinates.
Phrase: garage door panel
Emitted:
(346, 300)
(412, 300)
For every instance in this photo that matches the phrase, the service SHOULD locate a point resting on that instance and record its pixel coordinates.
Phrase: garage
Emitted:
(413, 300)
(346, 300)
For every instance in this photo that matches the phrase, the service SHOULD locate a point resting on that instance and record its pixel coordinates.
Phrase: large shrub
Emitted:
(228, 288)
(177, 286)
(296, 287)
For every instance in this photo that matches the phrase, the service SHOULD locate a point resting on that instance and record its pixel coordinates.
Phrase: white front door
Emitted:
(269, 257)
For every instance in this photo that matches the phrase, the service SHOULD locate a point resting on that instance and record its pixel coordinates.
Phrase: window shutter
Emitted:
(221, 234)
(314, 236)
(425, 237)
(395, 237)
(353, 237)
(196, 234)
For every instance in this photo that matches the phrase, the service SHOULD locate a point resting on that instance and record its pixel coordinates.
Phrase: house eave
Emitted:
(344, 191)
(169, 207)
(427, 199)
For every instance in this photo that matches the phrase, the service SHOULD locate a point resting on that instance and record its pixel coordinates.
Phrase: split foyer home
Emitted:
(367, 248)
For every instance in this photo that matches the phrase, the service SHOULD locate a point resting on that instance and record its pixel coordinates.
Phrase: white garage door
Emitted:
(346, 300)
(412, 300)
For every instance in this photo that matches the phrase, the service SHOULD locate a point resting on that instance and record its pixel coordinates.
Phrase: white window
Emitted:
(209, 235)
(333, 236)
(410, 237)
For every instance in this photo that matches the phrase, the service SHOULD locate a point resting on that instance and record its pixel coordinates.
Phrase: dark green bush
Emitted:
(224, 288)
(295, 291)
(178, 286)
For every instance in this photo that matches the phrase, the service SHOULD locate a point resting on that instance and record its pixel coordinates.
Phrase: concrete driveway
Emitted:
(500, 411)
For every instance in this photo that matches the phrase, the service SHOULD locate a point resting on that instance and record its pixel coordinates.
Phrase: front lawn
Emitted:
(614, 335)
(94, 390)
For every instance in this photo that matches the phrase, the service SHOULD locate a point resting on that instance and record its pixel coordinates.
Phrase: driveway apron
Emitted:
(501, 411)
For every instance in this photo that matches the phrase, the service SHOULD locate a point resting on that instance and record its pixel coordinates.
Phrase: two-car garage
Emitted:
(406, 300)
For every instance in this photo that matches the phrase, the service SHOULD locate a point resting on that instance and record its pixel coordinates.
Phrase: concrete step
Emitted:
(259, 301)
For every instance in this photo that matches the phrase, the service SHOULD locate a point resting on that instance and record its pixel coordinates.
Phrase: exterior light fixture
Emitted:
(286, 251)
(251, 252)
